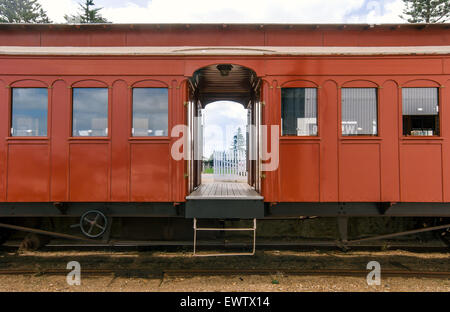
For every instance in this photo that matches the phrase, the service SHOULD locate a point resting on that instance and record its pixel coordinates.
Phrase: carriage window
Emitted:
(90, 112)
(359, 111)
(299, 111)
(150, 111)
(420, 111)
(29, 112)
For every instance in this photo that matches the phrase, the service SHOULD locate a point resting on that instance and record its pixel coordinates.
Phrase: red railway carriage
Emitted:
(356, 119)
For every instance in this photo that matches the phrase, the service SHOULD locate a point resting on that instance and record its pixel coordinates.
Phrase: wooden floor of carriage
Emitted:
(225, 190)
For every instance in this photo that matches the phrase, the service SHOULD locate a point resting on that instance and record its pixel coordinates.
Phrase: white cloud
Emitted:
(221, 122)
(238, 11)
(379, 12)
(56, 9)
(233, 11)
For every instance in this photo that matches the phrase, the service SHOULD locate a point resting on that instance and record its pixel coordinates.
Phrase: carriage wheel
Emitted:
(444, 234)
(4, 235)
(33, 241)
(93, 223)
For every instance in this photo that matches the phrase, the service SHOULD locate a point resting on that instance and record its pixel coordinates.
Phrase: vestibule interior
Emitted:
(215, 84)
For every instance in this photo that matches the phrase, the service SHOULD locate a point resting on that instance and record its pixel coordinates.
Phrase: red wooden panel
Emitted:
(388, 127)
(291, 37)
(385, 37)
(28, 172)
(445, 124)
(89, 66)
(60, 131)
(410, 37)
(120, 132)
(298, 83)
(357, 83)
(89, 83)
(4, 121)
(270, 116)
(89, 171)
(421, 172)
(58, 38)
(108, 38)
(150, 172)
(336, 37)
(328, 131)
(29, 83)
(179, 116)
(217, 35)
(268, 183)
(299, 172)
(359, 172)
(355, 66)
(199, 37)
(421, 83)
(20, 38)
(446, 66)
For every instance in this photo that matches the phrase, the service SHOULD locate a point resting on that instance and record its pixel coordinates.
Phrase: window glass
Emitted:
(359, 111)
(299, 111)
(420, 111)
(29, 112)
(90, 112)
(150, 111)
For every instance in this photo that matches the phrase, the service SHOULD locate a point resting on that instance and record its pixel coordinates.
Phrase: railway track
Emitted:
(435, 245)
(226, 272)
(161, 272)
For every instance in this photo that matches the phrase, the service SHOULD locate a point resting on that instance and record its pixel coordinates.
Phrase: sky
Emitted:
(228, 114)
(236, 11)
(221, 121)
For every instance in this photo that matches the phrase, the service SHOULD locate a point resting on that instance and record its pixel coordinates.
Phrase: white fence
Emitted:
(230, 166)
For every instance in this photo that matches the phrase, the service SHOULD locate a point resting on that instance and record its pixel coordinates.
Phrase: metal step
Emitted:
(224, 209)
(253, 229)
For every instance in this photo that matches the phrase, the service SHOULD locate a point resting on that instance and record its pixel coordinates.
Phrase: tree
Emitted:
(22, 11)
(87, 15)
(426, 11)
(238, 141)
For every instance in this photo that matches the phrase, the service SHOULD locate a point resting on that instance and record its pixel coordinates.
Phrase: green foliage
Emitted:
(426, 11)
(22, 11)
(238, 141)
(87, 15)
(208, 170)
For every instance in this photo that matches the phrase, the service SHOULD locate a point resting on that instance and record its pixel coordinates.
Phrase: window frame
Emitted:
(300, 85)
(377, 94)
(439, 103)
(87, 85)
(28, 85)
(148, 137)
(150, 83)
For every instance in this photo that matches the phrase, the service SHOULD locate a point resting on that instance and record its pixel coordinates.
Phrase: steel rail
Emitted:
(166, 273)
(331, 272)
(48, 233)
(378, 237)
(437, 244)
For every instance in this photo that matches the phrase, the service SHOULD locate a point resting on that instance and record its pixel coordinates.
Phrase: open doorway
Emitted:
(224, 115)
(224, 143)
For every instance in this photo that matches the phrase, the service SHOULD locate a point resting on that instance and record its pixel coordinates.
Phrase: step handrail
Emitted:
(195, 254)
